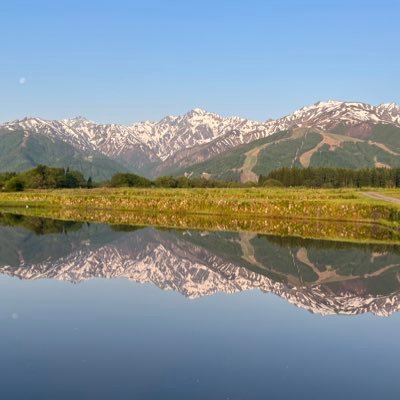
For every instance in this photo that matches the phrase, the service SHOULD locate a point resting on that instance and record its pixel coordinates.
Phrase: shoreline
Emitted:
(339, 215)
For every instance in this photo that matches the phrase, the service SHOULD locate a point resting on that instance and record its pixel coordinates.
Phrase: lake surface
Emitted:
(90, 311)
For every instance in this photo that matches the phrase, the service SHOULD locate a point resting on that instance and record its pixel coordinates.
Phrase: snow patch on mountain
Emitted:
(169, 137)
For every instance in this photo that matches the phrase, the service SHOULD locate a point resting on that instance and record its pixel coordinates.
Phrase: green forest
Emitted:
(324, 177)
(44, 177)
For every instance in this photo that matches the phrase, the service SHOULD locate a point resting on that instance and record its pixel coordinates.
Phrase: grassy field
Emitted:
(343, 214)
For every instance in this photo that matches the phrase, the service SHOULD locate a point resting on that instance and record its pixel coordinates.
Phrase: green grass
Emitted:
(343, 214)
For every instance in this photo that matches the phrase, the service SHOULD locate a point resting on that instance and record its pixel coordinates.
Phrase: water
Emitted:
(101, 312)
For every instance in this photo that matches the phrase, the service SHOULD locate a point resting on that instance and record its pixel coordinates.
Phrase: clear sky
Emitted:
(124, 61)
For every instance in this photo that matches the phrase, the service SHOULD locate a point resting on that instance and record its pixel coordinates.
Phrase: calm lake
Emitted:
(92, 311)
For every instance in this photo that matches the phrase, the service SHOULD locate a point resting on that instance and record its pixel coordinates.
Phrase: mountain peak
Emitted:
(79, 118)
(389, 106)
(197, 112)
(329, 103)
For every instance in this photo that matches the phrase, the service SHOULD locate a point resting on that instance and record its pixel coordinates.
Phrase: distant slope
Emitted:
(20, 151)
(228, 165)
(179, 142)
(303, 147)
(353, 119)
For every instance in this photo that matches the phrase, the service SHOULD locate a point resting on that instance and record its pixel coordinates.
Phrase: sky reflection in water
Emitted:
(67, 332)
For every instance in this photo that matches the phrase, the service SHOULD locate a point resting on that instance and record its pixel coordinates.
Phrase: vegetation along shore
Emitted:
(330, 213)
(278, 204)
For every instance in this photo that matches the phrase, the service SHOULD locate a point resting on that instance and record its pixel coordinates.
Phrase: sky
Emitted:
(126, 61)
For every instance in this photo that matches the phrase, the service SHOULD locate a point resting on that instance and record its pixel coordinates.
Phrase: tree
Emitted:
(74, 179)
(14, 185)
(129, 180)
(397, 177)
(271, 183)
(166, 182)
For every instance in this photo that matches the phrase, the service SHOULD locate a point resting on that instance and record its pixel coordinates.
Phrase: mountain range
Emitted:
(202, 143)
(321, 277)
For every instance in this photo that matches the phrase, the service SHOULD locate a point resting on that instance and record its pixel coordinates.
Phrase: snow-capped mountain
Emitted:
(161, 139)
(390, 112)
(199, 135)
(326, 114)
(195, 128)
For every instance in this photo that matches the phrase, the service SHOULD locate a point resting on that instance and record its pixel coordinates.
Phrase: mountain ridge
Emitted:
(198, 135)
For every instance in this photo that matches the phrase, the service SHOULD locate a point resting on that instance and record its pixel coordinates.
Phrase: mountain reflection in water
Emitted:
(319, 276)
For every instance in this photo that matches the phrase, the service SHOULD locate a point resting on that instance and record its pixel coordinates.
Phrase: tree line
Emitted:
(133, 180)
(332, 177)
(43, 177)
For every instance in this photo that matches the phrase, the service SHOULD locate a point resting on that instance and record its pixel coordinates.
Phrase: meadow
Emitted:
(344, 214)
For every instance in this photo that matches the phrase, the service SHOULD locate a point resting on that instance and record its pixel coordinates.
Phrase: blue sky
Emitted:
(124, 61)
